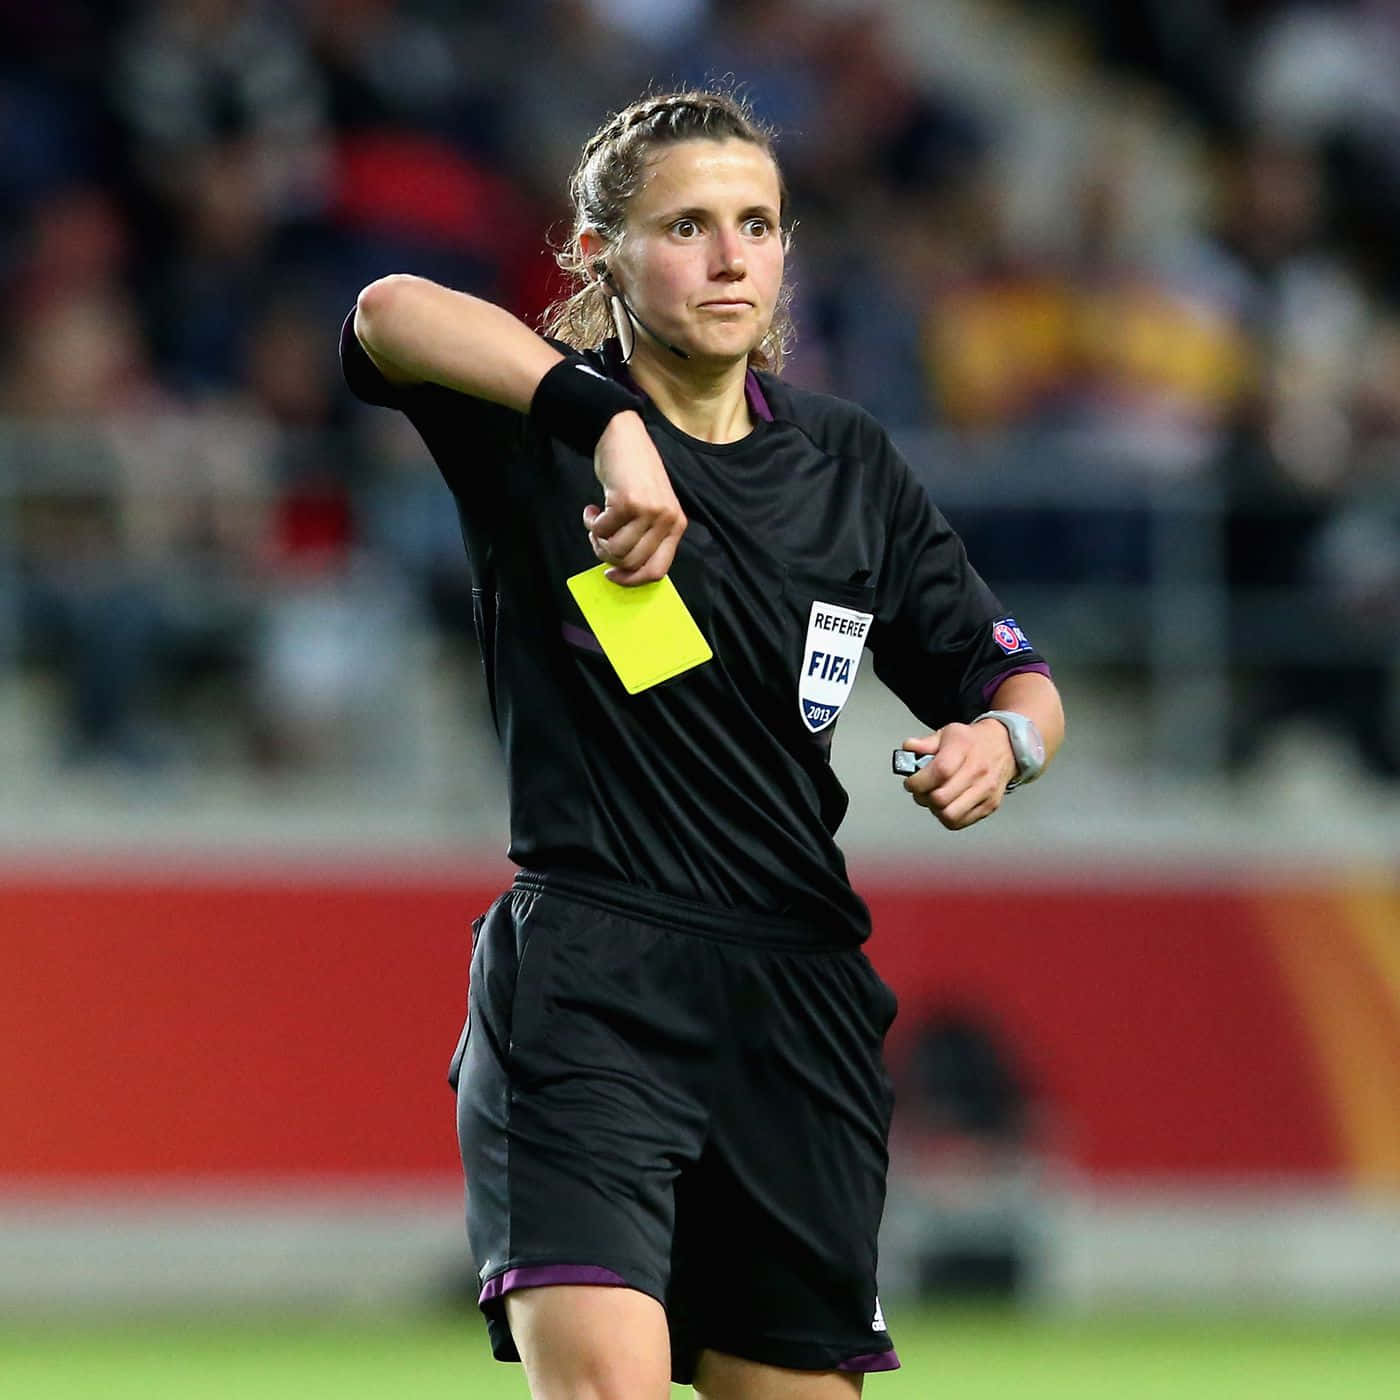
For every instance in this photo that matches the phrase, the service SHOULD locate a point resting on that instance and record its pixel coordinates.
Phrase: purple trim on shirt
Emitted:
(1031, 668)
(872, 1361)
(758, 402)
(753, 391)
(580, 637)
(546, 1275)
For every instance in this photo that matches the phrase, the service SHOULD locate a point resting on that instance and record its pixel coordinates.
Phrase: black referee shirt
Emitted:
(807, 539)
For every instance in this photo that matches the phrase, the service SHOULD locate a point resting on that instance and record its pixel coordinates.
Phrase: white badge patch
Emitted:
(835, 638)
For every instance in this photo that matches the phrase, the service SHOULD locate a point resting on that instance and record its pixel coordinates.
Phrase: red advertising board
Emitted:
(300, 1025)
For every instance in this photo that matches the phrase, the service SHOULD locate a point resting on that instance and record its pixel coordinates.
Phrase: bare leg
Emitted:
(722, 1377)
(581, 1342)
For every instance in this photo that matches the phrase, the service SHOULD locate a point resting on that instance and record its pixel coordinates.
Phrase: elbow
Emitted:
(377, 305)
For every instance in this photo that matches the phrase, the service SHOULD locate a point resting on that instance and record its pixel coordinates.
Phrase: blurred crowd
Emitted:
(1158, 236)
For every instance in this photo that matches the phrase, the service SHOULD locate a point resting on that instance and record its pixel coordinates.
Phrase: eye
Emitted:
(757, 227)
(685, 228)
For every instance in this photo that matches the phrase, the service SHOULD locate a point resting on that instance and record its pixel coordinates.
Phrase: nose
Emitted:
(729, 255)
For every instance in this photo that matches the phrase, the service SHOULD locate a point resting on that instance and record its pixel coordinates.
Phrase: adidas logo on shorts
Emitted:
(879, 1324)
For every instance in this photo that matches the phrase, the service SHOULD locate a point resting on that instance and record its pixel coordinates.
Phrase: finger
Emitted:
(601, 550)
(931, 778)
(655, 567)
(920, 783)
(936, 799)
(937, 790)
(923, 779)
(634, 544)
(652, 555)
(954, 787)
(949, 766)
(969, 807)
(928, 744)
(960, 769)
(660, 535)
(981, 812)
(591, 512)
(608, 521)
(926, 801)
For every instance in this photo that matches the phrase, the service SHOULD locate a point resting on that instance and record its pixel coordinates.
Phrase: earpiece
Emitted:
(624, 317)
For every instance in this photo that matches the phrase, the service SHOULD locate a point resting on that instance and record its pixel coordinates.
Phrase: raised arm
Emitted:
(416, 331)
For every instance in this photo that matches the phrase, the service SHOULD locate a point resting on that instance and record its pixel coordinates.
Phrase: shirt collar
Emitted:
(753, 390)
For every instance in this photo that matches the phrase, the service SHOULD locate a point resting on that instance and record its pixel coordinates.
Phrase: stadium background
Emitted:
(1121, 280)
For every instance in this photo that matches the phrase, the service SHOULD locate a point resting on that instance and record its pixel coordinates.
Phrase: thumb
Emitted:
(590, 513)
(928, 744)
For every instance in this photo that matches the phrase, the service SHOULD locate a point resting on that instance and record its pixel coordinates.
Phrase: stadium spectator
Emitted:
(574, 62)
(383, 66)
(89, 602)
(190, 73)
(204, 292)
(665, 27)
(1292, 462)
(985, 248)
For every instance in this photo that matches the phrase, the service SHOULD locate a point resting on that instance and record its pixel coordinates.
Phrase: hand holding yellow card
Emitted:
(646, 631)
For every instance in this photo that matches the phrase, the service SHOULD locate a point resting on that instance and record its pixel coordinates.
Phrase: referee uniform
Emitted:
(671, 1075)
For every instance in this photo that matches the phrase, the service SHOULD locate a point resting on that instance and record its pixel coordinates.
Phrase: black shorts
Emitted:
(654, 1095)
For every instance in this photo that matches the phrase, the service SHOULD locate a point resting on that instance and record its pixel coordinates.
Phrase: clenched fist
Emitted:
(967, 779)
(640, 523)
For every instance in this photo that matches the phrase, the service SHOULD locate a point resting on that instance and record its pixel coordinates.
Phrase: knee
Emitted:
(607, 1386)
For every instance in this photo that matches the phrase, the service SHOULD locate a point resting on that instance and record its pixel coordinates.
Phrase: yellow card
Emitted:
(646, 631)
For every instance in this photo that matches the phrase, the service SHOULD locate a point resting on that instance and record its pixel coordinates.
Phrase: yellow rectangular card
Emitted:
(646, 631)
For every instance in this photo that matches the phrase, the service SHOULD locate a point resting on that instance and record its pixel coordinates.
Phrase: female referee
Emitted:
(672, 1104)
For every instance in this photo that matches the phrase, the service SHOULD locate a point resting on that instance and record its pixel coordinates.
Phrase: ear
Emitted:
(593, 246)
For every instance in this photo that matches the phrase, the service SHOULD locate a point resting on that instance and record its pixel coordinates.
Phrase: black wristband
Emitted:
(575, 403)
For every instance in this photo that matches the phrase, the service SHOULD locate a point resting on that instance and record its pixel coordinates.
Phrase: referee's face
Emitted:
(702, 256)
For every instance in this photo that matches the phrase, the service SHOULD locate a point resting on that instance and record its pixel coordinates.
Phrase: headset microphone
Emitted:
(617, 297)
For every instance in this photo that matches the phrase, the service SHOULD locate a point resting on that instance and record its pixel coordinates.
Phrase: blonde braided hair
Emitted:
(610, 171)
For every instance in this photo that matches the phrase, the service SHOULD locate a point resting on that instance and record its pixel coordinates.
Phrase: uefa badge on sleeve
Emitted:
(1007, 634)
(835, 640)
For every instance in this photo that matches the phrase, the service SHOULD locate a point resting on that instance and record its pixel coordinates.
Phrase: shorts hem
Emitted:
(787, 1355)
(887, 1360)
(491, 1298)
(545, 1276)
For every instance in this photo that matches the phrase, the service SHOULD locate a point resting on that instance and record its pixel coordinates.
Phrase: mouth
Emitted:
(726, 305)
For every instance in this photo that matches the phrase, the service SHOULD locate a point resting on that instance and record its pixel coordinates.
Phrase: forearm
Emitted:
(1036, 697)
(416, 330)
